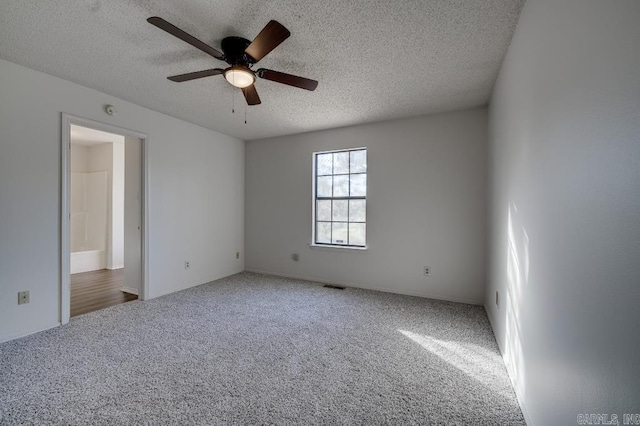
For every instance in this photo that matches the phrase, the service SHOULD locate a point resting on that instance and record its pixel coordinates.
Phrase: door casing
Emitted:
(65, 257)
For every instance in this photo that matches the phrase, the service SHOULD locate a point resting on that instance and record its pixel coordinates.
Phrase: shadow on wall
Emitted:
(518, 278)
(479, 361)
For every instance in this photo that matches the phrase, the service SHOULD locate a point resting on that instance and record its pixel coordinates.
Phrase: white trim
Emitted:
(27, 333)
(65, 211)
(523, 408)
(331, 247)
(382, 289)
(65, 279)
(129, 290)
(339, 150)
(144, 293)
(313, 245)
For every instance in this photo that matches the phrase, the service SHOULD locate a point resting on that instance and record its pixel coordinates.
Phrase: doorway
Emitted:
(103, 256)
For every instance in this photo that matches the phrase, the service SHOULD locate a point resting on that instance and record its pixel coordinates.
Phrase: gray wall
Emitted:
(196, 195)
(564, 158)
(132, 214)
(426, 206)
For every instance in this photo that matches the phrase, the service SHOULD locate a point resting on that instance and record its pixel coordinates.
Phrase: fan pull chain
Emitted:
(233, 97)
(245, 114)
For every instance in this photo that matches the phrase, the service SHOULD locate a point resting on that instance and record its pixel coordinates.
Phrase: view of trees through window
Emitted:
(341, 197)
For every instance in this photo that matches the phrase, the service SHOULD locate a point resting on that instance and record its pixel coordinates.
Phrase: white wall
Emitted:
(196, 182)
(116, 259)
(101, 158)
(88, 214)
(109, 156)
(79, 161)
(426, 206)
(82, 224)
(565, 201)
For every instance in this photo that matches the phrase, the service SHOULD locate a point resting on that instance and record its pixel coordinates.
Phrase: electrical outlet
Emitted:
(295, 256)
(23, 297)
(426, 271)
(237, 255)
(187, 264)
(497, 299)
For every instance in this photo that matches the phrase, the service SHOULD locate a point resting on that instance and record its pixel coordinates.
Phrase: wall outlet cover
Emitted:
(23, 297)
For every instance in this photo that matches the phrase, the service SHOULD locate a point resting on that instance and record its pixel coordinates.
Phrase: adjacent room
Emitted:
(364, 212)
(104, 192)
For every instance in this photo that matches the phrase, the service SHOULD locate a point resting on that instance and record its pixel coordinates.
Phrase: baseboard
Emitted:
(130, 290)
(187, 286)
(113, 268)
(28, 333)
(383, 289)
(523, 407)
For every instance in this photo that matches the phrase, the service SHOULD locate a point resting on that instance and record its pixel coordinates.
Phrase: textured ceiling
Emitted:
(375, 60)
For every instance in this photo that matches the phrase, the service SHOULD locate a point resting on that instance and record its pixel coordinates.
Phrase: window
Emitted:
(340, 198)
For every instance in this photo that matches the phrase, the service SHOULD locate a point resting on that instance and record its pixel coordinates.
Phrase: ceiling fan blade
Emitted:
(269, 38)
(251, 95)
(175, 31)
(193, 75)
(284, 78)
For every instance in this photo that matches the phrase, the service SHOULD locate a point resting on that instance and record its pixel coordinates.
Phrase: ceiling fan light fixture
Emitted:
(240, 54)
(239, 76)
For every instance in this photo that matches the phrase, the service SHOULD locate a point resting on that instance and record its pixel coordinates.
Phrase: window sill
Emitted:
(327, 247)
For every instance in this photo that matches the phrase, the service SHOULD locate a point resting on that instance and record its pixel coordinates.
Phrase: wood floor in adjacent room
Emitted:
(91, 291)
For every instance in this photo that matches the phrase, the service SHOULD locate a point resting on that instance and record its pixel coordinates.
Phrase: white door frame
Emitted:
(65, 256)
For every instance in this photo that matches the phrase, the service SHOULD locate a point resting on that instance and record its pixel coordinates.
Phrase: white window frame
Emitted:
(314, 200)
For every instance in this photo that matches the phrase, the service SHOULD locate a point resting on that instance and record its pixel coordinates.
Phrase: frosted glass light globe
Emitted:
(239, 76)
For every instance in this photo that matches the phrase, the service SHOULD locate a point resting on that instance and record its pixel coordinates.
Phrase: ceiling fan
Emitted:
(241, 54)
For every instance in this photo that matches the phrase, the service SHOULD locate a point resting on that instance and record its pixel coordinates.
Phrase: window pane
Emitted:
(341, 190)
(340, 212)
(325, 164)
(358, 185)
(357, 210)
(323, 234)
(324, 186)
(358, 161)
(339, 235)
(341, 186)
(357, 234)
(340, 163)
(323, 210)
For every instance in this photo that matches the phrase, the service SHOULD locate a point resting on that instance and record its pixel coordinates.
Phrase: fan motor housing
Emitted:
(233, 48)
